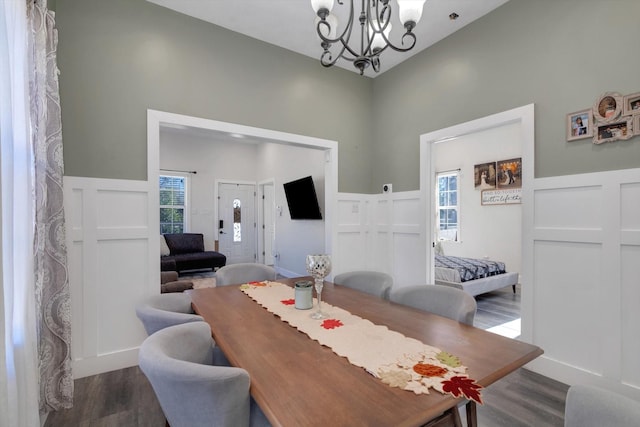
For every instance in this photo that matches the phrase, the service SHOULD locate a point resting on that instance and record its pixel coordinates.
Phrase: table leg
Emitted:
(472, 416)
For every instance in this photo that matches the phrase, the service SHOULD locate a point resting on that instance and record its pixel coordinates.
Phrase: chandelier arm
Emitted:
(344, 43)
(384, 16)
(409, 34)
(345, 46)
(412, 36)
(364, 23)
(382, 21)
(330, 61)
(341, 37)
(378, 52)
(327, 62)
(375, 63)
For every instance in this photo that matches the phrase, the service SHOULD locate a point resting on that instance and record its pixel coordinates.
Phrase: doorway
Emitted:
(236, 222)
(286, 257)
(523, 117)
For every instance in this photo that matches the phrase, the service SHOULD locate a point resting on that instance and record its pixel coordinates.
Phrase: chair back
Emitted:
(372, 282)
(589, 406)
(192, 392)
(441, 300)
(164, 310)
(234, 274)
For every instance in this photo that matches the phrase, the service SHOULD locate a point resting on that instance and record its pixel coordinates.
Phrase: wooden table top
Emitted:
(298, 382)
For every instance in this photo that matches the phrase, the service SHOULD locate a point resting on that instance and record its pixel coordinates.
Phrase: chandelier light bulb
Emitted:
(319, 5)
(378, 42)
(410, 11)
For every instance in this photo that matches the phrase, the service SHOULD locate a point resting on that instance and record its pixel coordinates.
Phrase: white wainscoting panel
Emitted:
(630, 280)
(110, 270)
(585, 290)
(570, 304)
(352, 233)
(381, 232)
(630, 272)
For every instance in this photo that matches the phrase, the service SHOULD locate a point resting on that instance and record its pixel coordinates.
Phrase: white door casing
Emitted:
(268, 230)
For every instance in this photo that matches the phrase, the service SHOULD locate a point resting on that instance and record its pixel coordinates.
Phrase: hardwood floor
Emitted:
(124, 398)
(497, 307)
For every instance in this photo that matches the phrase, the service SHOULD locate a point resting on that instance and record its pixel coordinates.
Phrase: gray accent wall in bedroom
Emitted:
(120, 57)
(560, 55)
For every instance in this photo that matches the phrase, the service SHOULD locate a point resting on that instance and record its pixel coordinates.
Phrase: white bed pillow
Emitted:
(164, 249)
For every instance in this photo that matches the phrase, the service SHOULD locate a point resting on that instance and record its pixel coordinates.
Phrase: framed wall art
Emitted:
(609, 132)
(579, 125)
(608, 107)
(484, 176)
(509, 173)
(631, 104)
(636, 125)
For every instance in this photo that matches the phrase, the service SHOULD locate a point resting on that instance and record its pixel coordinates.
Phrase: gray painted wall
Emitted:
(559, 54)
(120, 57)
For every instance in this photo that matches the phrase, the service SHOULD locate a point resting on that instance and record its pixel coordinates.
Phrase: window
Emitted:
(173, 204)
(237, 220)
(447, 196)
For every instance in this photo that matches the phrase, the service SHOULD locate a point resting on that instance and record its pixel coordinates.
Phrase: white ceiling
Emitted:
(290, 23)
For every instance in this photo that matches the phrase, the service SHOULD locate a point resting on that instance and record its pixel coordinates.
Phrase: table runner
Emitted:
(395, 359)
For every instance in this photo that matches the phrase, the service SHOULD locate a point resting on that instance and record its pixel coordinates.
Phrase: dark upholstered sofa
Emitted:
(186, 252)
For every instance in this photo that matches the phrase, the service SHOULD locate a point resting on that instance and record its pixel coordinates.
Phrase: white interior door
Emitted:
(268, 222)
(237, 225)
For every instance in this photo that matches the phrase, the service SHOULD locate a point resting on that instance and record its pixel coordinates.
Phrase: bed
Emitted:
(474, 276)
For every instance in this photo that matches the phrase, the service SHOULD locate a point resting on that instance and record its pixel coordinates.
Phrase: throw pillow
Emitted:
(164, 249)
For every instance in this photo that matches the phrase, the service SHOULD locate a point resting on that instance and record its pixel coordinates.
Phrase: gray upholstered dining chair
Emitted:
(234, 274)
(441, 300)
(192, 392)
(444, 301)
(589, 406)
(372, 282)
(164, 310)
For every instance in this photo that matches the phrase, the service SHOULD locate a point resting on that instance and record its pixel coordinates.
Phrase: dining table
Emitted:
(296, 381)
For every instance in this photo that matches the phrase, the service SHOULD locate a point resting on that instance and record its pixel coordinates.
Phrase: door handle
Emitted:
(222, 232)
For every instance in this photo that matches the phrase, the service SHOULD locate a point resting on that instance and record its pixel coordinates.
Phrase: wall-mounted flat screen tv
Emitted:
(302, 199)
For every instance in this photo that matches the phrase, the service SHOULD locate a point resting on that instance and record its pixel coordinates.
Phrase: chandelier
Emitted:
(375, 27)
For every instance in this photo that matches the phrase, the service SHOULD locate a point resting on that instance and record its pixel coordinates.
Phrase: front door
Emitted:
(237, 226)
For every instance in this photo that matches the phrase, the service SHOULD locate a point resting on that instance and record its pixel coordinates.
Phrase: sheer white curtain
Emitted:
(18, 343)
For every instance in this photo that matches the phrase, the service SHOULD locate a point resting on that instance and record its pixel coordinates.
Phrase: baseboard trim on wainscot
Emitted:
(105, 363)
(286, 273)
(570, 375)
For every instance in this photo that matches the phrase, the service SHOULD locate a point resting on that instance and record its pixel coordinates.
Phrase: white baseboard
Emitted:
(286, 273)
(105, 363)
(570, 375)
